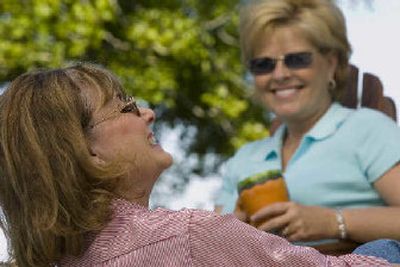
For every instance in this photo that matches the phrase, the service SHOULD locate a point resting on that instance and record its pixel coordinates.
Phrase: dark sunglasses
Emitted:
(265, 65)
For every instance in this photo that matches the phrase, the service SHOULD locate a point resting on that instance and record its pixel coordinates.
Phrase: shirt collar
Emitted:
(329, 122)
(276, 143)
(121, 205)
(325, 127)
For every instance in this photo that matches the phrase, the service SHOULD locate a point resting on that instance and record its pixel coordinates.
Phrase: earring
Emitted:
(331, 84)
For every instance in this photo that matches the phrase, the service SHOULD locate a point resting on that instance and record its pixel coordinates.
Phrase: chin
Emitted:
(167, 160)
(287, 111)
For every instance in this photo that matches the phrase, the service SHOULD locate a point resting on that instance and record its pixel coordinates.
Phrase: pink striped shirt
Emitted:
(137, 236)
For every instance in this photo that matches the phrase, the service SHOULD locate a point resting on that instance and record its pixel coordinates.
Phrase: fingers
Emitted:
(309, 223)
(296, 222)
(270, 211)
(291, 233)
(285, 232)
(275, 224)
(240, 214)
(273, 219)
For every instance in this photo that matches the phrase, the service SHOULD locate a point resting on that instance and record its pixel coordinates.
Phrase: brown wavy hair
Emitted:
(321, 22)
(51, 192)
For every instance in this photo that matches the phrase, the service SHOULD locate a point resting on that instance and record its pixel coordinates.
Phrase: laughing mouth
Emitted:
(286, 91)
(152, 139)
(284, 88)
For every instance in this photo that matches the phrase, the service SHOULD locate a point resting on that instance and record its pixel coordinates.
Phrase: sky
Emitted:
(375, 41)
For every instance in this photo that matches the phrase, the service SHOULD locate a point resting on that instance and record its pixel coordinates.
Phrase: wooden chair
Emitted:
(372, 95)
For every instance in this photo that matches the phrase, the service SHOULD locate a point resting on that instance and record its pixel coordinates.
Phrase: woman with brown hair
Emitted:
(78, 161)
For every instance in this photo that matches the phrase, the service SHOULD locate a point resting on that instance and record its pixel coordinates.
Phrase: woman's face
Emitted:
(294, 95)
(121, 131)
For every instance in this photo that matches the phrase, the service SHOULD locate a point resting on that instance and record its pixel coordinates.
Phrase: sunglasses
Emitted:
(293, 61)
(129, 106)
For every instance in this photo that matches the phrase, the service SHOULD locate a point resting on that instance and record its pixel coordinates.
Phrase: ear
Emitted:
(95, 158)
(333, 60)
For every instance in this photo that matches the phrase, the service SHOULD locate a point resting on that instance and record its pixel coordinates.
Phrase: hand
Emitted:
(241, 214)
(297, 222)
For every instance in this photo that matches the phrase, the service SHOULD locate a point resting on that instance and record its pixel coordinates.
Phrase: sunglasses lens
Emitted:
(298, 60)
(262, 65)
(266, 65)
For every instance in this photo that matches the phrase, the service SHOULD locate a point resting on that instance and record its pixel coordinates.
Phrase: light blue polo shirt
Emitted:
(335, 165)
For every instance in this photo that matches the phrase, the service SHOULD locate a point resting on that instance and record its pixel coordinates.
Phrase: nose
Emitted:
(281, 71)
(147, 114)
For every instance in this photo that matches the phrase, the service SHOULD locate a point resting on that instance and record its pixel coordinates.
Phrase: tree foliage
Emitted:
(182, 56)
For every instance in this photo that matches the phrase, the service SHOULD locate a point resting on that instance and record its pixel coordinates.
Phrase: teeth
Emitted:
(285, 93)
(153, 140)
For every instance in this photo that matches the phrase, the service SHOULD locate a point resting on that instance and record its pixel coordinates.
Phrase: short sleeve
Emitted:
(378, 143)
(227, 194)
(225, 241)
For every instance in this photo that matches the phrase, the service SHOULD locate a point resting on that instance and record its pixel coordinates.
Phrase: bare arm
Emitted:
(305, 223)
(381, 222)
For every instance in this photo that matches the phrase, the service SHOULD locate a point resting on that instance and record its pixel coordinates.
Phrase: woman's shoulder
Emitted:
(370, 118)
(255, 146)
(365, 112)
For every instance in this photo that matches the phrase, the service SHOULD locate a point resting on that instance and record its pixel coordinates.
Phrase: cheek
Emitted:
(319, 75)
(319, 83)
(119, 141)
(260, 82)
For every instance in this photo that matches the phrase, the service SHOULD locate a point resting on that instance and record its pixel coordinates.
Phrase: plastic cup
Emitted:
(261, 190)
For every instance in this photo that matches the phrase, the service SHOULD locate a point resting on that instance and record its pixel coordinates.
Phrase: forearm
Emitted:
(366, 224)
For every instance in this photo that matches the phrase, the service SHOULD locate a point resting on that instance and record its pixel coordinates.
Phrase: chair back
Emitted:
(372, 95)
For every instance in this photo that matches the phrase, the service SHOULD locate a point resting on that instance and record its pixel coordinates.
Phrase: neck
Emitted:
(295, 131)
(142, 199)
(298, 127)
(134, 192)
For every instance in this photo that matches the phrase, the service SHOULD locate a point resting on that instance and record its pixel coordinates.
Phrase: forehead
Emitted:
(99, 93)
(282, 40)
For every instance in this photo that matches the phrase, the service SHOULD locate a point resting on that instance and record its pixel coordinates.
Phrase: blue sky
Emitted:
(374, 37)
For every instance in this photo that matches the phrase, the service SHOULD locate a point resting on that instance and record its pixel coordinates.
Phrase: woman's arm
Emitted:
(306, 223)
(381, 222)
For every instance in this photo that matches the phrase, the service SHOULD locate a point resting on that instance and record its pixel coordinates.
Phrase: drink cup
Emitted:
(260, 190)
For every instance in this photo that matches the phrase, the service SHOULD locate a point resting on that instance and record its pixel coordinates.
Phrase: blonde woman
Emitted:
(340, 165)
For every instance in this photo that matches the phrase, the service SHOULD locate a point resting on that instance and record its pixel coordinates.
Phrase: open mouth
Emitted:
(152, 139)
(286, 91)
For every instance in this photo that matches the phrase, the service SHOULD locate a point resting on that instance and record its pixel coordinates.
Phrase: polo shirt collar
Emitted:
(325, 127)
(329, 122)
(276, 144)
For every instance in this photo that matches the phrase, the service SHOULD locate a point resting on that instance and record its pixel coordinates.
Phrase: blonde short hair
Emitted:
(321, 22)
